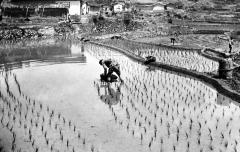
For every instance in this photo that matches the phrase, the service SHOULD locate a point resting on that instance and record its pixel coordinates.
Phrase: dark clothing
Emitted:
(108, 78)
(115, 69)
(230, 48)
(150, 59)
(230, 45)
(69, 19)
(112, 67)
(172, 40)
(107, 63)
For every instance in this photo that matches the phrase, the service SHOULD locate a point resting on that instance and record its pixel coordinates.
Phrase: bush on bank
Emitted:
(114, 25)
(13, 33)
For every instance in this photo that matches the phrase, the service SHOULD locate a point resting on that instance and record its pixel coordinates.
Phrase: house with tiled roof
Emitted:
(143, 6)
(48, 7)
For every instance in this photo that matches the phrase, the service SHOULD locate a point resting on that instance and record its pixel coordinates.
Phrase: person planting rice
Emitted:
(109, 67)
(230, 44)
(149, 59)
(172, 40)
(69, 18)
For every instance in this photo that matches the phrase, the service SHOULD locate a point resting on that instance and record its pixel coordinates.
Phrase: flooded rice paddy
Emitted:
(184, 58)
(56, 102)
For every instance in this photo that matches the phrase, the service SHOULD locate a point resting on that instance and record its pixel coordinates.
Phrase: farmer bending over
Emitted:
(109, 67)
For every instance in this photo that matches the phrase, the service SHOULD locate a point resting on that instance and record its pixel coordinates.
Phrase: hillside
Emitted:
(197, 4)
(220, 2)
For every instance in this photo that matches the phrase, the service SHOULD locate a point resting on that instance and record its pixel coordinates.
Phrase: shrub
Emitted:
(100, 18)
(94, 19)
(75, 18)
(127, 18)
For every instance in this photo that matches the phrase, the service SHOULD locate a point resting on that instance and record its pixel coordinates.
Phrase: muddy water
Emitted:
(58, 100)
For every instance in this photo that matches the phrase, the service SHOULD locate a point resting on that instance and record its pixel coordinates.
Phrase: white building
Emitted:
(119, 7)
(85, 8)
(158, 7)
(73, 6)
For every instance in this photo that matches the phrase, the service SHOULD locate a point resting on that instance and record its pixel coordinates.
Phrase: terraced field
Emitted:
(188, 59)
(48, 105)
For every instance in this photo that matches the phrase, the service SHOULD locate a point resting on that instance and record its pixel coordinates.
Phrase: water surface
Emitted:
(154, 110)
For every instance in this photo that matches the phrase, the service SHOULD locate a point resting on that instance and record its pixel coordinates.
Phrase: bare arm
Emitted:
(105, 69)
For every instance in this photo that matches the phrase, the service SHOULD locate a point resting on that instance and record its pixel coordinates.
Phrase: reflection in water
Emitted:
(17, 83)
(170, 112)
(46, 50)
(109, 93)
(221, 100)
(162, 110)
(31, 125)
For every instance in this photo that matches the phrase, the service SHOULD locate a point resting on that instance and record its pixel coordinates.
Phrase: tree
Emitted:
(104, 2)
